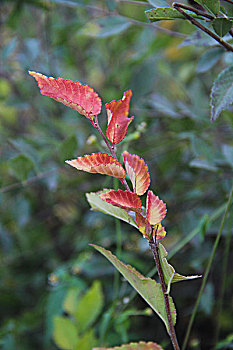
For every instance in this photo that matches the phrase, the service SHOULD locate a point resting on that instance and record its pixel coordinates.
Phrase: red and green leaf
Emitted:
(81, 98)
(99, 163)
(155, 209)
(123, 199)
(118, 120)
(143, 225)
(159, 232)
(137, 171)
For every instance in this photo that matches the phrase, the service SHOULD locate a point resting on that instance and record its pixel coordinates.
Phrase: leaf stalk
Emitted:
(172, 333)
(223, 43)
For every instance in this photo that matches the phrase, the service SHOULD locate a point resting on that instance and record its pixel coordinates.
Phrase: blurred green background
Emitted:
(47, 267)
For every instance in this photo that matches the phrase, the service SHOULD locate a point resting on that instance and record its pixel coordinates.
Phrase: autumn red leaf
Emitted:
(118, 120)
(123, 199)
(100, 163)
(143, 225)
(137, 171)
(159, 232)
(81, 98)
(155, 209)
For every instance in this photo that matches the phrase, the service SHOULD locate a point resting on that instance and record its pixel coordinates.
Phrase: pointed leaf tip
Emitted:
(137, 171)
(79, 97)
(118, 120)
(123, 199)
(99, 163)
(155, 209)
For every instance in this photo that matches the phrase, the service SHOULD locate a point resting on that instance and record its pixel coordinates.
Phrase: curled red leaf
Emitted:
(100, 163)
(155, 209)
(143, 225)
(137, 171)
(159, 232)
(123, 199)
(81, 98)
(118, 120)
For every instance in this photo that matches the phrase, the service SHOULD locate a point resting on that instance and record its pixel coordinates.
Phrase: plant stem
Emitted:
(225, 44)
(154, 247)
(207, 270)
(198, 12)
(223, 285)
(111, 149)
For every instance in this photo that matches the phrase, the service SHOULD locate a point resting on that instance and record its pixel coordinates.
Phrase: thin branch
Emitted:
(225, 44)
(207, 271)
(198, 12)
(111, 149)
(32, 179)
(155, 250)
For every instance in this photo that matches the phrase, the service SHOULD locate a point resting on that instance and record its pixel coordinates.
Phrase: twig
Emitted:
(198, 12)
(207, 271)
(225, 44)
(32, 179)
(154, 247)
(111, 148)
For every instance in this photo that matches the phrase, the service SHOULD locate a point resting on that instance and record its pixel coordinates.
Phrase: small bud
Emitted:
(142, 126)
(53, 279)
(91, 140)
(148, 311)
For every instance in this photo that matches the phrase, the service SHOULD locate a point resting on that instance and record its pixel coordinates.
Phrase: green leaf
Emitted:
(98, 204)
(89, 307)
(227, 150)
(105, 27)
(170, 275)
(149, 289)
(163, 13)
(213, 6)
(135, 346)
(21, 166)
(222, 26)
(209, 59)
(87, 341)
(203, 164)
(222, 92)
(71, 300)
(65, 333)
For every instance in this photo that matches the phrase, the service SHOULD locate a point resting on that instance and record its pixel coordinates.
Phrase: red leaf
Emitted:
(155, 209)
(160, 232)
(100, 163)
(143, 225)
(80, 97)
(118, 120)
(137, 171)
(123, 199)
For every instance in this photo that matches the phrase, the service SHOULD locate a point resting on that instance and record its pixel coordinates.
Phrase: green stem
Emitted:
(172, 333)
(224, 278)
(225, 44)
(207, 271)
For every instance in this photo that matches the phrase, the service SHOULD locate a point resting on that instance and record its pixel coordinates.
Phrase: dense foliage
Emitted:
(48, 270)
